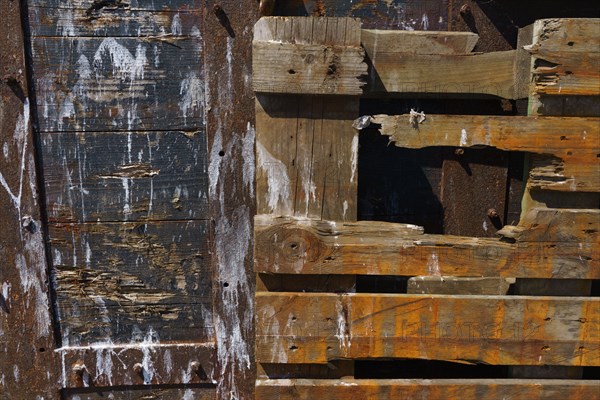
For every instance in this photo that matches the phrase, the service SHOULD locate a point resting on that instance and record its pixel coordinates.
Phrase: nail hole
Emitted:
(570, 43)
(563, 138)
(221, 153)
(291, 71)
(42, 349)
(568, 72)
(569, 153)
(547, 319)
(226, 284)
(293, 245)
(294, 318)
(293, 347)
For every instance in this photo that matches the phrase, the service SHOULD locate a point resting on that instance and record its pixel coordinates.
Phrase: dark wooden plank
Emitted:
(136, 393)
(499, 330)
(166, 19)
(111, 176)
(104, 365)
(231, 138)
(29, 367)
(507, 389)
(115, 278)
(290, 246)
(100, 84)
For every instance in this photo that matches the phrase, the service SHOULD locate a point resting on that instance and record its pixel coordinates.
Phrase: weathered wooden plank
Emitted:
(104, 364)
(286, 245)
(418, 42)
(307, 149)
(29, 367)
(89, 18)
(100, 84)
(497, 330)
(231, 139)
(573, 140)
(286, 389)
(565, 56)
(112, 278)
(138, 393)
(288, 58)
(111, 176)
(458, 286)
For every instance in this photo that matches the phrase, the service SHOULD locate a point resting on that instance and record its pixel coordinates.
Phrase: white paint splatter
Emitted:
(192, 95)
(16, 373)
(5, 150)
(188, 395)
(278, 191)
(248, 158)
(433, 265)
(424, 22)
(88, 254)
(168, 363)
(126, 205)
(176, 25)
(354, 157)
(343, 331)
(485, 226)
(278, 351)
(65, 26)
(124, 64)
(463, 137)
(345, 208)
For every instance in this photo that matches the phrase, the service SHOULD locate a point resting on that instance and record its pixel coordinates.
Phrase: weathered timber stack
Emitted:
(321, 330)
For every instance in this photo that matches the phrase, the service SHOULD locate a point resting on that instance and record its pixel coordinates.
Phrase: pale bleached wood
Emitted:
(431, 389)
(458, 285)
(575, 142)
(499, 330)
(297, 246)
(418, 42)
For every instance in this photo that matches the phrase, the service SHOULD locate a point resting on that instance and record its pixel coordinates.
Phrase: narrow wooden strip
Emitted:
(499, 330)
(196, 392)
(573, 141)
(292, 389)
(458, 286)
(285, 245)
(104, 364)
(418, 42)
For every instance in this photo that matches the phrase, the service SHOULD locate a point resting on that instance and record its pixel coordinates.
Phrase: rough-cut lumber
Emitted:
(499, 330)
(418, 42)
(296, 246)
(438, 389)
(458, 286)
(575, 142)
(127, 275)
(565, 56)
(194, 391)
(307, 150)
(105, 364)
(107, 176)
(308, 55)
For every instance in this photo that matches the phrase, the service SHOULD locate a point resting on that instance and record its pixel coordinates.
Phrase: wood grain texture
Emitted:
(308, 55)
(458, 286)
(29, 366)
(295, 246)
(111, 176)
(114, 279)
(110, 83)
(141, 393)
(418, 42)
(497, 330)
(565, 57)
(572, 141)
(513, 389)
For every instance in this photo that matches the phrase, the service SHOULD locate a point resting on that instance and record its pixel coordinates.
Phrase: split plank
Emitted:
(294, 246)
(103, 84)
(308, 55)
(499, 330)
(573, 141)
(125, 275)
(507, 389)
(112, 176)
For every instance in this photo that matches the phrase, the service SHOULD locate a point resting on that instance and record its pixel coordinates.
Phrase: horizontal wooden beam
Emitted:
(418, 42)
(499, 330)
(574, 141)
(295, 246)
(333, 389)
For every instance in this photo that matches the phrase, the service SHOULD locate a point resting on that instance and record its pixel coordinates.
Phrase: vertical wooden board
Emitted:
(231, 137)
(113, 279)
(99, 84)
(111, 176)
(29, 366)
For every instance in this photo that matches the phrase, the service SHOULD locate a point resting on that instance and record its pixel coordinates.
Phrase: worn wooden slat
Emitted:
(565, 56)
(458, 286)
(29, 367)
(110, 176)
(126, 275)
(102, 365)
(286, 389)
(307, 150)
(286, 245)
(308, 55)
(100, 84)
(137, 393)
(573, 140)
(497, 330)
(418, 42)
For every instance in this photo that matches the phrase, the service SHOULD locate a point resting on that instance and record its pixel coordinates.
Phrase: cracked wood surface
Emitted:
(499, 330)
